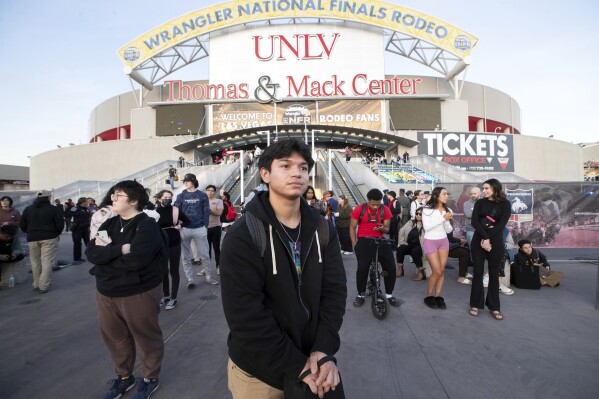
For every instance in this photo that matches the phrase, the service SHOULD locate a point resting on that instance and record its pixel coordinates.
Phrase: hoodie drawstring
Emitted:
(318, 245)
(272, 251)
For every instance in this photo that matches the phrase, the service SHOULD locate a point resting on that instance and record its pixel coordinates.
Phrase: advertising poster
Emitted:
(555, 215)
(361, 114)
(473, 152)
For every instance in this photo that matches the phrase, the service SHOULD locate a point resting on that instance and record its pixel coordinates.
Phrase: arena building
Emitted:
(297, 68)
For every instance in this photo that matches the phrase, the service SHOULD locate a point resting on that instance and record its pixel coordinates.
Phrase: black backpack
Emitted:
(363, 211)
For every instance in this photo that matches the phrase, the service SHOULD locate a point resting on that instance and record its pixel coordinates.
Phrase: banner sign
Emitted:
(232, 13)
(522, 204)
(555, 215)
(361, 114)
(473, 152)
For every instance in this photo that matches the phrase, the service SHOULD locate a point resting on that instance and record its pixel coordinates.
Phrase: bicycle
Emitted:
(379, 303)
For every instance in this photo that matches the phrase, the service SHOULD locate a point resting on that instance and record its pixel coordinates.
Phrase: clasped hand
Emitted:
(321, 380)
(486, 245)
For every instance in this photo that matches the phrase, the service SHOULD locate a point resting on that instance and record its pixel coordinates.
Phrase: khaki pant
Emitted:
(244, 386)
(130, 320)
(42, 255)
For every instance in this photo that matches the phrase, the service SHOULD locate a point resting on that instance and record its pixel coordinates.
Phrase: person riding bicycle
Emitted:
(372, 220)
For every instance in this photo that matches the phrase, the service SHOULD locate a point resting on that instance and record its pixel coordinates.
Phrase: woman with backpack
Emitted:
(171, 220)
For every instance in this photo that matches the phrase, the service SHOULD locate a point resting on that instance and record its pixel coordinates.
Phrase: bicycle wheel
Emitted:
(380, 305)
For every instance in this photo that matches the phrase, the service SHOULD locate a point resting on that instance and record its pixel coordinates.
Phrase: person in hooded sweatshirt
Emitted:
(129, 255)
(43, 224)
(284, 306)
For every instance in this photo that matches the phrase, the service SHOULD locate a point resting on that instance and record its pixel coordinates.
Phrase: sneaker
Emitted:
(191, 285)
(201, 272)
(171, 304)
(348, 253)
(164, 300)
(505, 290)
(486, 280)
(218, 270)
(196, 262)
(394, 301)
(212, 281)
(146, 388)
(119, 387)
(465, 281)
(468, 275)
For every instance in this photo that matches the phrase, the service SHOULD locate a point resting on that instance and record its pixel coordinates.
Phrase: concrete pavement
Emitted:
(547, 346)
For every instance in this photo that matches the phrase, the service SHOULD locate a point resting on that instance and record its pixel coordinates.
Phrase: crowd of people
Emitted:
(288, 241)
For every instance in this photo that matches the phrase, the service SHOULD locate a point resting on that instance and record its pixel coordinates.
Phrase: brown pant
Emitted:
(125, 321)
(42, 255)
(244, 386)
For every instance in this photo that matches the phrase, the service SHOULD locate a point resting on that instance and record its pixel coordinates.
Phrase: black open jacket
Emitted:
(275, 319)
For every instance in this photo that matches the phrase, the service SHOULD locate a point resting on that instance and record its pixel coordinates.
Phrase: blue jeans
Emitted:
(172, 179)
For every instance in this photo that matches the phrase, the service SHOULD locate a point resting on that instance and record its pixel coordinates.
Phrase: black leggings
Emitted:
(414, 250)
(174, 257)
(344, 238)
(214, 234)
(365, 251)
(463, 256)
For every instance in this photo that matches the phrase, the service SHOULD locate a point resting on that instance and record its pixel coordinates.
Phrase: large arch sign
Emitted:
(181, 34)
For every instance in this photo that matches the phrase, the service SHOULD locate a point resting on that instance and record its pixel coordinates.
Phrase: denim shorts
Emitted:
(432, 246)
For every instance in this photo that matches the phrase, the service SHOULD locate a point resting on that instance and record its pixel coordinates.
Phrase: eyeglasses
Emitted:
(115, 197)
(419, 214)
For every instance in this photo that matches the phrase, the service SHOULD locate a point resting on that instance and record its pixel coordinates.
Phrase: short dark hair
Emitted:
(6, 197)
(329, 192)
(374, 195)
(392, 193)
(135, 192)
(522, 243)
(210, 186)
(284, 149)
(226, 196)
(81, 200)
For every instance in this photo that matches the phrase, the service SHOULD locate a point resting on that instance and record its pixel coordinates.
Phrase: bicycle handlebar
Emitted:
(380, 240)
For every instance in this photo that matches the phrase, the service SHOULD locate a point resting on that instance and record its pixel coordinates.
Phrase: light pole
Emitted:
(314, 156)
(330, 156)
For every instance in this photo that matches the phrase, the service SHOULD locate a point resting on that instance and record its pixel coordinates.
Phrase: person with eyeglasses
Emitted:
(410, 243)
(129, 254)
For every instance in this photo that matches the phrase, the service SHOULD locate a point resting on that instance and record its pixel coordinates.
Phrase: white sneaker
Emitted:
(486, 280)
(348, 253)
(164, 301)
(212, 281)
(465, 281)
(468, 275)
(218, 271)
(171, 304)
(505, 290)
(201, 272)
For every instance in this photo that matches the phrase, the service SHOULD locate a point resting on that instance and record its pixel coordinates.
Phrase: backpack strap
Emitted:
(256, 228)
(323, 232)
(362, 212)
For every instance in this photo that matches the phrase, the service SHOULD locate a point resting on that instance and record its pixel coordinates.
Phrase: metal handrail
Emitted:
(349, 182)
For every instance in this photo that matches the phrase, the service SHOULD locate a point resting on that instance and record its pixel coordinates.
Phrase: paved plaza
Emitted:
(547, 346)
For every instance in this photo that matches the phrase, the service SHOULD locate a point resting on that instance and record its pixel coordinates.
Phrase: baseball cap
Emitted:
(44, 193)
(189, 177)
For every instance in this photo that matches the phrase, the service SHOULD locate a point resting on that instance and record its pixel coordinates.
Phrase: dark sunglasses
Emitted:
(419, 214)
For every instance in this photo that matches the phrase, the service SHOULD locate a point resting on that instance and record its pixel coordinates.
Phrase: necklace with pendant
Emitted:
(123, 227)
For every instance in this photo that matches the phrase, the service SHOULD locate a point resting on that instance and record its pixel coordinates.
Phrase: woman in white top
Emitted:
(436, 218)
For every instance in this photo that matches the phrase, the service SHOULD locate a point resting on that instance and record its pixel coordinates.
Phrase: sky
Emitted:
(58, 62)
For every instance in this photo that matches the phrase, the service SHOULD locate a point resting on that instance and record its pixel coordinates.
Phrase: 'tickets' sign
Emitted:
(473, 152)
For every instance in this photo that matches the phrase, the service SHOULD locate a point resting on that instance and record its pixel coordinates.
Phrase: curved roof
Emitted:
(420, 37)
(368, 138)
